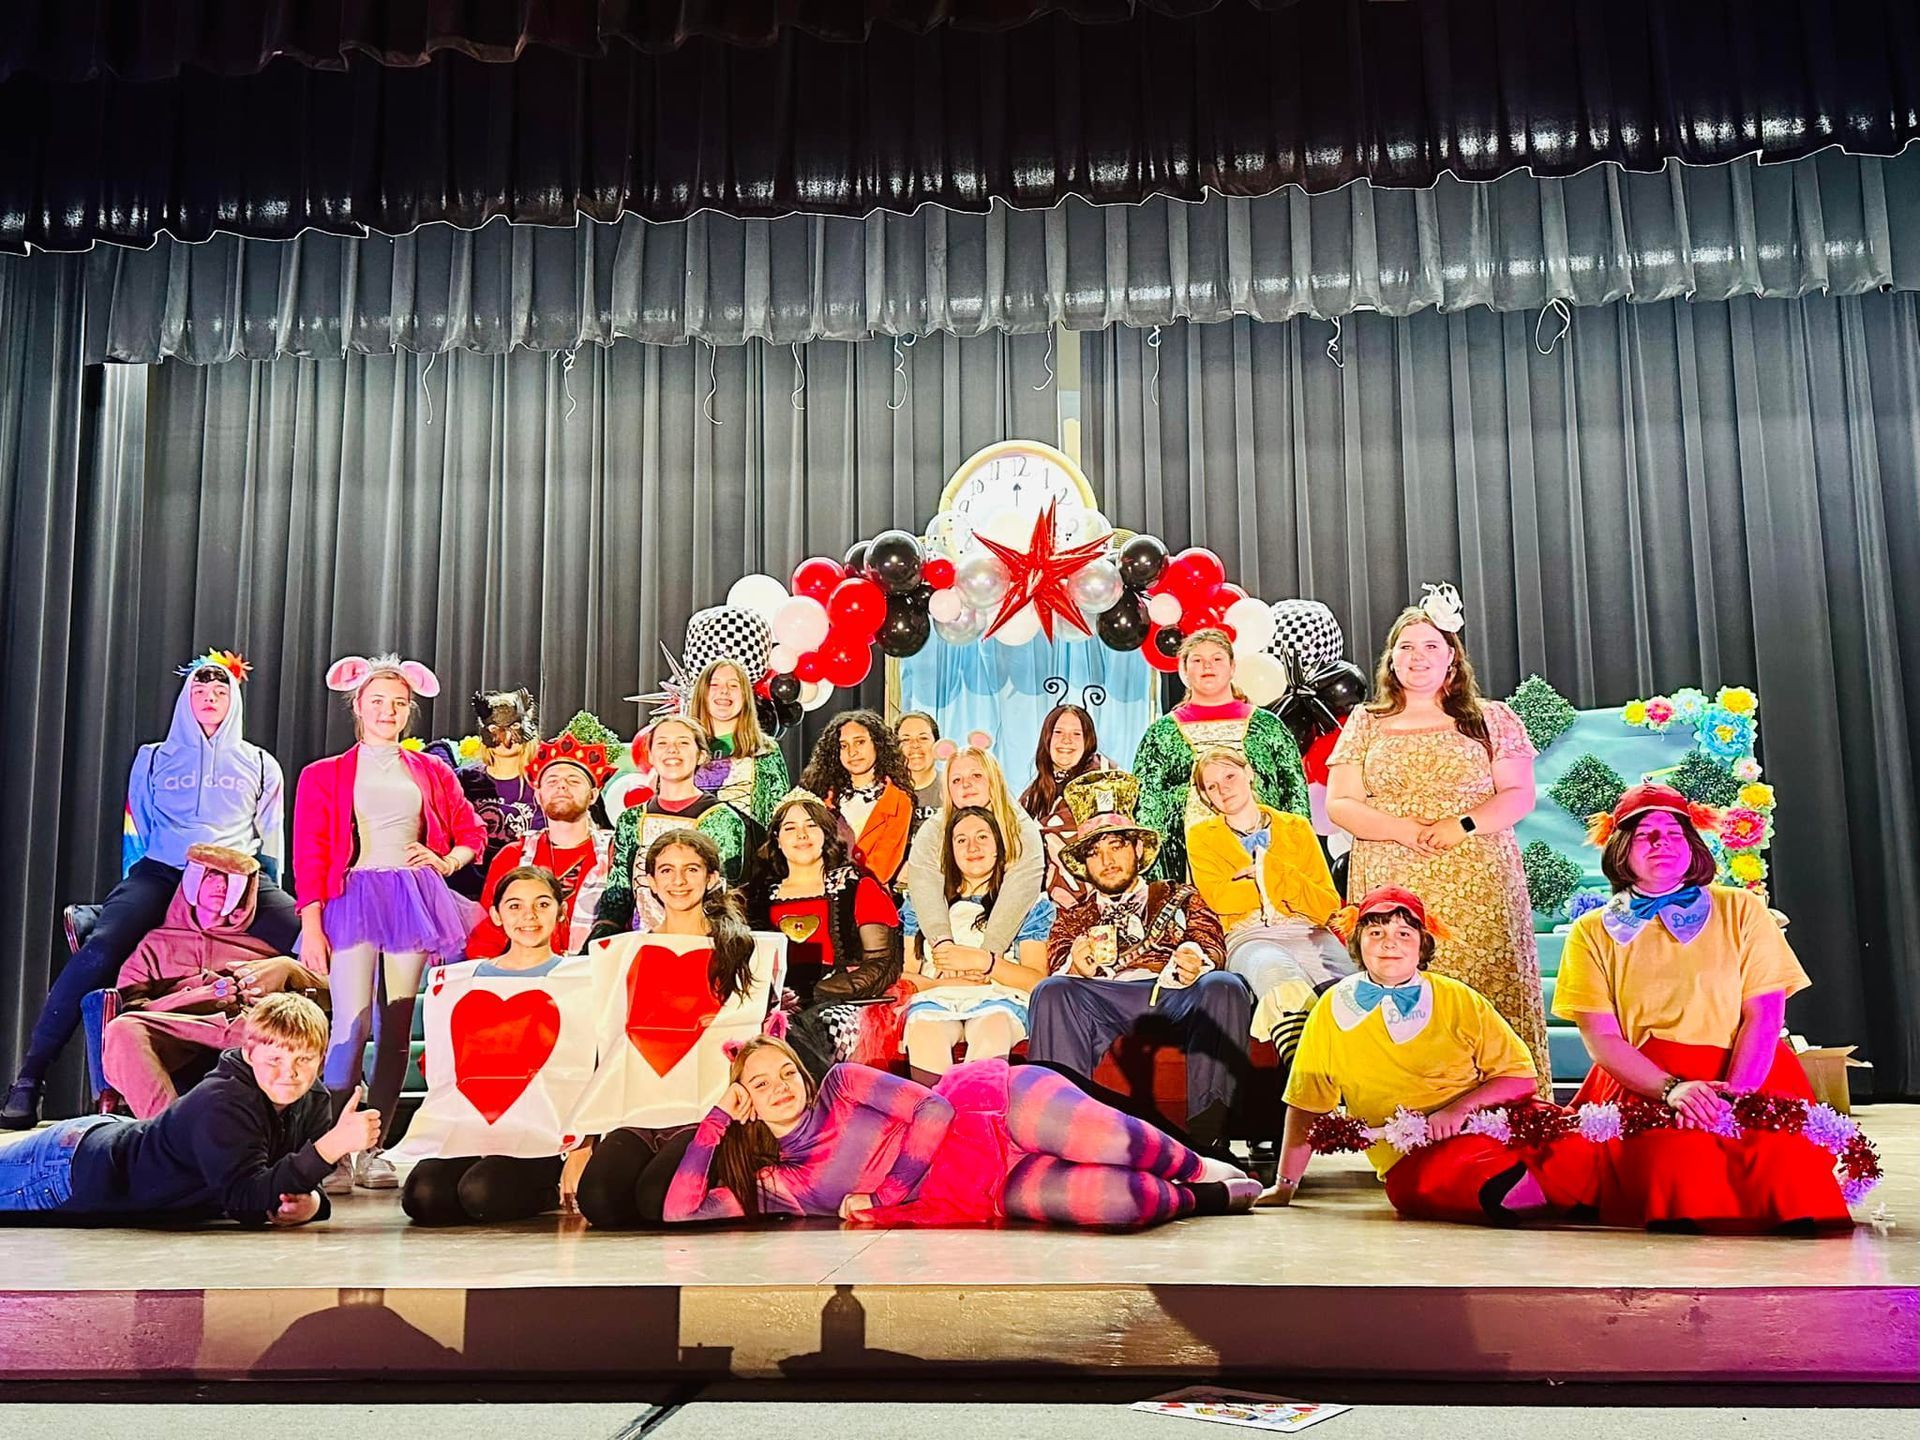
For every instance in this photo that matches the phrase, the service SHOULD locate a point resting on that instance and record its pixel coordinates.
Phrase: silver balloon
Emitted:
(964, 629)
(981, 580)
(1096, 587)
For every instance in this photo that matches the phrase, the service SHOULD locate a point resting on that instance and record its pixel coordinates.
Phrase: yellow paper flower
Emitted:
(1634, 712)
(1738, 699)
(1747, 868)
(470, 747)
(413, 742)
(1757, 796)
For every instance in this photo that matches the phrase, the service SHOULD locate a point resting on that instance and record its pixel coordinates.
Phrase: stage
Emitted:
(1336, 1285)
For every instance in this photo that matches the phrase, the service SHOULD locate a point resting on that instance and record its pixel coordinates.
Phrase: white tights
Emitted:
(989, 1037)
(351, 974)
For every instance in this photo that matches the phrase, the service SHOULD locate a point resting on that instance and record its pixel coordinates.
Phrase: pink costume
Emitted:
(990, 1142)
(323, 838)
(177, 997)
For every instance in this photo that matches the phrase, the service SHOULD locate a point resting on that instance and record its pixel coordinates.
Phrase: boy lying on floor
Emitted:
(250, 1143)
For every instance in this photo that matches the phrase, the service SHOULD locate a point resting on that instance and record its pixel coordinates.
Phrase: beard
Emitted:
(1110, 886)
(566, 810)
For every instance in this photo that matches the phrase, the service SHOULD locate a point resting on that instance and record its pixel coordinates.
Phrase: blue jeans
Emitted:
(36, 1171)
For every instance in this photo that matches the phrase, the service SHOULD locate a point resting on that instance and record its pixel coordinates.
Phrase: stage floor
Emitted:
(1335, 1285)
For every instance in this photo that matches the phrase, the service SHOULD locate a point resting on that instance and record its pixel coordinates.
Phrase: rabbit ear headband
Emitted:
(349, 673)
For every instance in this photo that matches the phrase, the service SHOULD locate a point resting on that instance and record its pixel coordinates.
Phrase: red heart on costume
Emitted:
(669, 1004)
(439, 980)
(499, 1044)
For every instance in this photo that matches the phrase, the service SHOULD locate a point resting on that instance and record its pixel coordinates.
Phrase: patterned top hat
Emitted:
(1104, 802)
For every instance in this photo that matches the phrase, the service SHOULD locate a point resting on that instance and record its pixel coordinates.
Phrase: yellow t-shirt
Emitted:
(1462, 1044)
(1661, 989)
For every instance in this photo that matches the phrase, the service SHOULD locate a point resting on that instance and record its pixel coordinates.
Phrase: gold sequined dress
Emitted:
(1477, 889)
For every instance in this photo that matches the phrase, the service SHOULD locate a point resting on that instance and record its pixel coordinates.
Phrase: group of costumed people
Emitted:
(929, 911)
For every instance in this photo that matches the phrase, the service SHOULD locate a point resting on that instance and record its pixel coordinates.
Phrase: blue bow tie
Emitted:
(1648, 907)
(1404, 997)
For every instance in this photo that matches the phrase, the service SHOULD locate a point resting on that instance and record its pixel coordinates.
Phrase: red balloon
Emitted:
(760, 686)
(846, 666)
(1222, 598)
(1166, 664)
(1203, 565)
(857, 606)
(816, 578)
(937, 572)
(807, 669)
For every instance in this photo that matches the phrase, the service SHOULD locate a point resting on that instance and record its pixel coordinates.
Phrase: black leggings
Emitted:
(472, 1189)
(624, 1186)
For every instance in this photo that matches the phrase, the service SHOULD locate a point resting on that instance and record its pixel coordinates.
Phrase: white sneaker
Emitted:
(339, 1180)
(373, 1171)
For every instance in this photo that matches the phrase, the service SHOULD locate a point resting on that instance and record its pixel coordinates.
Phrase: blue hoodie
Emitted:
(192, 788)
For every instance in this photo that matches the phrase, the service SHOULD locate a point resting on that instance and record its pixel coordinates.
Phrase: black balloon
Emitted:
(905, 630)
(769, 715)
(1141, 560)
(1340, 686)
(784, 689)
(856, 558)
(893, 558)
(1169, 639)
(1124, 625)
(789, 712)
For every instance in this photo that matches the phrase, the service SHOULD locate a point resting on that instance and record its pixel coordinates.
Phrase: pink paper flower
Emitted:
(1742, 828)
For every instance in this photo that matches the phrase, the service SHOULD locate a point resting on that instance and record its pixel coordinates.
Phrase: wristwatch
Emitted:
(1467, 825)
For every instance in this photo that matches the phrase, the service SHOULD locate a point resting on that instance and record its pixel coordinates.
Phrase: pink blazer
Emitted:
(323, 838)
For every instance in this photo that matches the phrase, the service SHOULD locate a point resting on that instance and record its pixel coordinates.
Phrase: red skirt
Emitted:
(1757, 1182)
(1445, 1180)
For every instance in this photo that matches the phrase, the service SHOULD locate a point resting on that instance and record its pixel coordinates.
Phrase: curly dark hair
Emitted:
(826, 777)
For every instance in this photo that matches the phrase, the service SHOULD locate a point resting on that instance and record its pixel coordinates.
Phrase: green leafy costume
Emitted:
(1164, 766)
(637, 828)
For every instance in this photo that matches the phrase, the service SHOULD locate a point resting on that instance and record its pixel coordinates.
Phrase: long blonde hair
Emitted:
(1459, 697)
(999, 799)
(748, 739)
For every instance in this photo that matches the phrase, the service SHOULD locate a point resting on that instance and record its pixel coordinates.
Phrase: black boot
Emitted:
(22, 1110)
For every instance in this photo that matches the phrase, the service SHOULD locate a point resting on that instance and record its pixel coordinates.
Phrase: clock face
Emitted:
(1016, 475)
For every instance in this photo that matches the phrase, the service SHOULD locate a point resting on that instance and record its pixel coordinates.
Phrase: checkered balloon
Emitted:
(1310, 629)
(727, 632)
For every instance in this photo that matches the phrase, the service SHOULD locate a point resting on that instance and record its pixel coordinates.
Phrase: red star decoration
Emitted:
(1040, 574)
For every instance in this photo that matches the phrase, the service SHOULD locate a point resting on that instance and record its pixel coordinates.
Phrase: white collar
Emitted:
(1348, 1015)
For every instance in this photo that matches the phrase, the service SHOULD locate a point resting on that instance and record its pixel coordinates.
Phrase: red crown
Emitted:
(591, 758)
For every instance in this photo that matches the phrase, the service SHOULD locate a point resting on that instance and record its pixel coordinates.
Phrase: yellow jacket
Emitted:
(1295, 871)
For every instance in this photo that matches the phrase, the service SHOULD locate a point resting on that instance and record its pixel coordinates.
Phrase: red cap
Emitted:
(1380, 901)
(1638, 799)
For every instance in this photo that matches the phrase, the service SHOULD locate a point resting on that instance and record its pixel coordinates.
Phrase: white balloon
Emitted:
(1096, 587)
(1162, 609)
(801, 623)
(1023, 625)
(1261, 678)
(981, 580)
(814, 694)
(761, 594)
(964, 628)
(782, 658)
(1252, 622)
(946, 605)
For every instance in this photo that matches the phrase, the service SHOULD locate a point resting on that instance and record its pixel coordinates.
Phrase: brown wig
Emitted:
(1040, 798)
(1619, 872)
(950, 868)
(1382, 917)
(833, 851)
(747, 1147)
(1459, 697)
(748, 739)
(827, 777)
(730, 972)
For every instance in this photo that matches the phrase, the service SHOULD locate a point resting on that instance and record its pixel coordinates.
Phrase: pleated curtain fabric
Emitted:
(1677, 494)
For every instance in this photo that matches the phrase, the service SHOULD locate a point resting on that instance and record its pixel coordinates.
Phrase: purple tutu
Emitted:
(400, 911)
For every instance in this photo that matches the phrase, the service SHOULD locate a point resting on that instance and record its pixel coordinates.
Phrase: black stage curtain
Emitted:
(504, 518)
(1679, 494)
(1235, 100)
(1834, 222)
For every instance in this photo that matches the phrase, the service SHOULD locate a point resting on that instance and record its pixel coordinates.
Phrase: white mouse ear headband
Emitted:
(1444, 608)
(976, 740)
(350, 672)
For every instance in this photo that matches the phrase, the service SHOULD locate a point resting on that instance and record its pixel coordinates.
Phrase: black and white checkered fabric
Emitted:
(720, 631)
(1309, 627)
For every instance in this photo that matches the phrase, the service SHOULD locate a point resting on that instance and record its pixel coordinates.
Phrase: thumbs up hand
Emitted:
(355, 1130)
